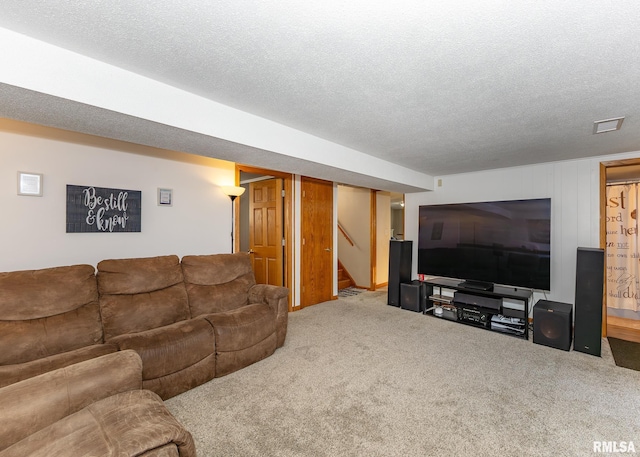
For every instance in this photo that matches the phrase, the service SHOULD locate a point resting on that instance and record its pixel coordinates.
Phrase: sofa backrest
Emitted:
(48, 311)
(217, 283)
(141, 294)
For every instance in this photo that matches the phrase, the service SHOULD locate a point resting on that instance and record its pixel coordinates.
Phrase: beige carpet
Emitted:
(359, 378)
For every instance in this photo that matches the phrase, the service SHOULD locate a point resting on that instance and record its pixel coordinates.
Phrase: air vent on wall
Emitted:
(607, 125)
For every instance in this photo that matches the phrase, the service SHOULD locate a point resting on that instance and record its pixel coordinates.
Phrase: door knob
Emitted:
(327, 249)
(250, 251)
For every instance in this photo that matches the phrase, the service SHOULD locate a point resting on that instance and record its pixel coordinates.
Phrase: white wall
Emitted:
(32, 233)
(354, 215)
(383, 235)
(574, 189)
(397, 223)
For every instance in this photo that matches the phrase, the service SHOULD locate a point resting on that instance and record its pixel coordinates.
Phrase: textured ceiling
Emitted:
(50, 111)
(440, 87)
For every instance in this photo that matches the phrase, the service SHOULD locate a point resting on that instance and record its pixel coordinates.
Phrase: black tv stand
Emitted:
(476, 285)
(501, 309)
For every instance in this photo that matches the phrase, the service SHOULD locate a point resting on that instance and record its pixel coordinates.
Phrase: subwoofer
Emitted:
(399, 269)
(589, 289)
(552, 324)
(413, 296)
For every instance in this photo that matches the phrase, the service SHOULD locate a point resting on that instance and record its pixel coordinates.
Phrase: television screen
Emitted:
(503, 242)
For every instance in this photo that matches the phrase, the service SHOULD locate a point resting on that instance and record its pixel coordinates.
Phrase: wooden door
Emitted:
(266, 231)
(316, 268)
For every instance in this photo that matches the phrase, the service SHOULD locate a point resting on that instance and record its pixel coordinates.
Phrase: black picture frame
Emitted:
(92, 209)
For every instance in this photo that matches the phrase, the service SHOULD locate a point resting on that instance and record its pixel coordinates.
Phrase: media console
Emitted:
(502, 309)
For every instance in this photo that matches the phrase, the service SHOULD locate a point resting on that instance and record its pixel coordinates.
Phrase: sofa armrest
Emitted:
(278, 299)
(35, 403)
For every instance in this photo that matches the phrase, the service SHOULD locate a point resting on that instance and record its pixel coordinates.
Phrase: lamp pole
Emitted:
(233, 192)
(233, 225)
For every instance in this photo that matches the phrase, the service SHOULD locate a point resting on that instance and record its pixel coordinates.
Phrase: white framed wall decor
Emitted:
(30, 184)
(165, 197)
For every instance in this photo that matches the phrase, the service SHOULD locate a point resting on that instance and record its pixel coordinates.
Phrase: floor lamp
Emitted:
(233, 192)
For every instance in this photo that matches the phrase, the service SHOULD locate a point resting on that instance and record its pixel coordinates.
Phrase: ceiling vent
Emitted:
(607, 125)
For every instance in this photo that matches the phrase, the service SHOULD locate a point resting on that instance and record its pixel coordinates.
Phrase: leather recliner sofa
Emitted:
(187, 322)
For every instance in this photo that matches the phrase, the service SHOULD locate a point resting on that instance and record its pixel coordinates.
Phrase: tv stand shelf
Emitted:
(501, 309)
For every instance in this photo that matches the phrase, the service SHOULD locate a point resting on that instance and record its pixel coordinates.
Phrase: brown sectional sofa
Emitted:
(187, 320)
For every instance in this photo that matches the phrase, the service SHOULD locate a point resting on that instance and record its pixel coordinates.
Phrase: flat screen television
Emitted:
(502, 242)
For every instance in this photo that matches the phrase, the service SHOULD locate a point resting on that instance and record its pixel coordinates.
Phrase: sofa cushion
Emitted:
(228, 362)
(32, 294)
(141, 294)
(14, 373)
(48, 311)
(242, 328)
(217, 283)
(181, 381)
(126, 424)
(171, 348)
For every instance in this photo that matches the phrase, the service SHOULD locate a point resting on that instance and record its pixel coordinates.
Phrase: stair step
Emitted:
(344, 283)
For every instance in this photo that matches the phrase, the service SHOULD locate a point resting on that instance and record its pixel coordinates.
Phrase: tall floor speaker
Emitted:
(552, 324)
(588, 310)
(399, 269)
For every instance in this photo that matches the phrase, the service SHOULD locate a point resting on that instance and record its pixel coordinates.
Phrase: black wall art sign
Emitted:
(98, 209)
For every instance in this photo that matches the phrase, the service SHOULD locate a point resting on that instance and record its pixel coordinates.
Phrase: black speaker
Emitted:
(413, 296)
(552, 324)
(587, 330)
(399, 269)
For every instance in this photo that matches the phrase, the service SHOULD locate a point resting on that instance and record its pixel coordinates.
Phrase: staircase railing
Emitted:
(345, 234)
